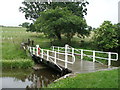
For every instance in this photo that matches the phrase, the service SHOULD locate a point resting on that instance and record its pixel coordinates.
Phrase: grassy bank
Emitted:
(19, 63)
(100, 79)
(12, 37)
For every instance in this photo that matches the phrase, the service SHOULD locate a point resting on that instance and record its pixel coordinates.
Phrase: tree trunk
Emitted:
(58, 34)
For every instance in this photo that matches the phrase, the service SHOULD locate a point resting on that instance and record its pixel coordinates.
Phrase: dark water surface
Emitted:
(28, 78)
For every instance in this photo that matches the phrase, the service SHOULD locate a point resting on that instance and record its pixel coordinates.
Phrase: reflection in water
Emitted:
(23, 78)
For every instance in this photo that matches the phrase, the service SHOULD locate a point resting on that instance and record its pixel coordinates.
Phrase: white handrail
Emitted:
(53, 58)
(81, 52)
(69, 51)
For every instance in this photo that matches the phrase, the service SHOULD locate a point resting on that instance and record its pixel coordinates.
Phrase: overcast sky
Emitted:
(98, 11)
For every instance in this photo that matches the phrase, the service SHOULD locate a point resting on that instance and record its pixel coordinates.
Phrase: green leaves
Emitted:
(106, 36)
(32, 9)
(54, 22)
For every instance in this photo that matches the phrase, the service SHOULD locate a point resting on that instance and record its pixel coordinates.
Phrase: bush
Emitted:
(106, 36)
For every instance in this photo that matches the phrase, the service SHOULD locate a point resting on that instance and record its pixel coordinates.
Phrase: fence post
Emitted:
(109, 58)
(47, 55)
(81, 54)
(93, 56)
(41, 53)
(37, 47)
(55, 56)
(66, 58)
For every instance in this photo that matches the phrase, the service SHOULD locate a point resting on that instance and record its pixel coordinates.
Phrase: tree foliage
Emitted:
(25, 24)
(107, 36)
(54, 22)
(57, 18)
(32, 9)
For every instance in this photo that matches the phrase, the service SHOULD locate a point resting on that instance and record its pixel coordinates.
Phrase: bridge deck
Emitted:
(81, 66)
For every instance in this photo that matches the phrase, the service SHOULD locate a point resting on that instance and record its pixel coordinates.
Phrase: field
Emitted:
(12, 37)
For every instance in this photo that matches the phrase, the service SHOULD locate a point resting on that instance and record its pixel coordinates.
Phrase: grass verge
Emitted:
(100, 79)
(22, 63)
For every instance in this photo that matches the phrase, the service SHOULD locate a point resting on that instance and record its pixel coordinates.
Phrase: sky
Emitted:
(98, 11)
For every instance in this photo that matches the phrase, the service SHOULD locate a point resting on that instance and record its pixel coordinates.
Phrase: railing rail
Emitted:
(37, 51)
(69, 51)
(94, 56)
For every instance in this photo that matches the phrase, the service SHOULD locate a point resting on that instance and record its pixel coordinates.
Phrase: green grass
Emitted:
(11, 47)
(22, 63)
(100, 79)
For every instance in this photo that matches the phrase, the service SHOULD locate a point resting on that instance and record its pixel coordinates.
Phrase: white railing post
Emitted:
(55, 57)
(41, 53)
(72, 51)
(109, 58)
(81, 54)
(34, 50)
(58, 51)
(30, 50)
(53, 48)
(37, 47)
(66, 57)
(93, 56)
(47, 55)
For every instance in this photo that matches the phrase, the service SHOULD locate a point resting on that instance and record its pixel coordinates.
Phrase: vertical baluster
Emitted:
(41, 53)
(109, 58)
(93, 56)
(55, 57)
(37, 47)
(47, 55)
(53, 48)
(66, 57)
(81, 54)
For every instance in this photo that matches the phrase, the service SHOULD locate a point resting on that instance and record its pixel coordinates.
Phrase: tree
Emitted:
(32, 9)
(54, 22)
(25, 24)
(106, 36)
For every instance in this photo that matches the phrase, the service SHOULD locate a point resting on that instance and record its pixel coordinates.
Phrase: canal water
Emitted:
(28, 78)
